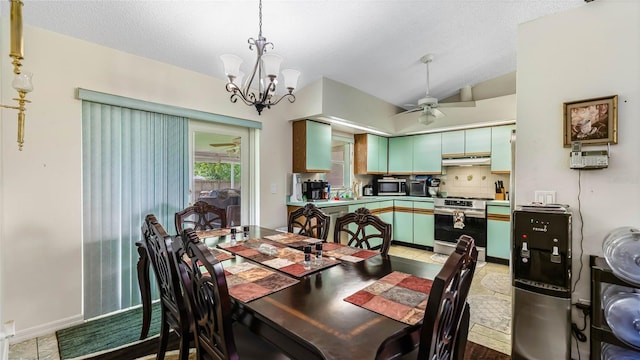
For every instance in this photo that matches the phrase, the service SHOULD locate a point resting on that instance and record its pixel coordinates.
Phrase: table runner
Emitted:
(248, 281)
(293, 240)
(202, 234)
(399, 296)
(347, 253)
(285, 259)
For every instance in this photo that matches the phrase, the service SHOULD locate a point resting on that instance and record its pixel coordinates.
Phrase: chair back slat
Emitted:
(206, 289)
(358, 226)
(310, 221)
(200, 216)
(443, 316)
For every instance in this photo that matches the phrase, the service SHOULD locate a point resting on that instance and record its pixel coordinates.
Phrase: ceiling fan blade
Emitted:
(228, 144)
(458, 104)
(409, 111)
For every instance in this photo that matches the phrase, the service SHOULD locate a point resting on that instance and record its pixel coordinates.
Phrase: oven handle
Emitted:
(467, 212)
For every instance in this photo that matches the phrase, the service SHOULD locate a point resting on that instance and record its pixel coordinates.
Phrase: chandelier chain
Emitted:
(260, 19)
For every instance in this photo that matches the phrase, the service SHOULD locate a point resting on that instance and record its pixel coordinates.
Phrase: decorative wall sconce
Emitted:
(22, 80)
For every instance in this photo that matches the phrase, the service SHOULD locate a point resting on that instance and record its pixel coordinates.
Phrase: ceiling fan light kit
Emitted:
(265, 73)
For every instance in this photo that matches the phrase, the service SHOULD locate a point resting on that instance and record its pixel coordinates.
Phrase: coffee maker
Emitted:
(314, 190)
(433, 186)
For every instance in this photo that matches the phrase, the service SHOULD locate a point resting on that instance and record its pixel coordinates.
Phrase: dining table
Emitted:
(311, 319)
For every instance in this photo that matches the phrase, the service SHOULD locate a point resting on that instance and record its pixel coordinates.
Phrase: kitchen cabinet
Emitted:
(427, 154)
(499, 233)
(311, 147)
(472, 142)
(403, 221)
(370, 154)
(602, 275)
(423, 223)
(401, 155)
(501, 149)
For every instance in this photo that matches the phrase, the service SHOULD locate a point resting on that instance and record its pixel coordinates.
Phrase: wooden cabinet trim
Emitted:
(499, 217)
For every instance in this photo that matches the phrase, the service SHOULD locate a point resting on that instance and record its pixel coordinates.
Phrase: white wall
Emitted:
(40, 187)
(588, 52)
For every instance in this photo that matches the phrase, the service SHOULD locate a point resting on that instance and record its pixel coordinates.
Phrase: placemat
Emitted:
(284, 258)
(399, 296)
(347, 253)
(248, 281)
(213, 232)
(221, 255)
(293, 240)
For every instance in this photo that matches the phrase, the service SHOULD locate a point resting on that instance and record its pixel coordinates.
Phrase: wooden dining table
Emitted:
(311, 319)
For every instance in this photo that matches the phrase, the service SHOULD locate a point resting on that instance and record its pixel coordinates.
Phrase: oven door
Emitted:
(474, 225)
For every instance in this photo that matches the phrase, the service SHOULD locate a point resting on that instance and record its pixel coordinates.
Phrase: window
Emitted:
(340, 175)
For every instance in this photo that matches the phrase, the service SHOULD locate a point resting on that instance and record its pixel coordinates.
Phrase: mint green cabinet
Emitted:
(370, 154)
(311, 147)
(501, 149)
(499, 232)
(423, 223)
(453, 143)
(477, 141)
(403, 221)
(472, 142)
(427, 154)
(401, 155)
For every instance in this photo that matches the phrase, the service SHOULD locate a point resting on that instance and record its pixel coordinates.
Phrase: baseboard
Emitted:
(496, 260)
(46, 329)
(411, 245)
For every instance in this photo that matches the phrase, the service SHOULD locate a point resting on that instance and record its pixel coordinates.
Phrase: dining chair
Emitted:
(442, 333)
(174, 308)
(205, 284)
(361, 228)
(200, 216)
(310, 221)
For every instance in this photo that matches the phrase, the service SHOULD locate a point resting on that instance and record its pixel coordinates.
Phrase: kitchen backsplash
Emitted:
(471, 181)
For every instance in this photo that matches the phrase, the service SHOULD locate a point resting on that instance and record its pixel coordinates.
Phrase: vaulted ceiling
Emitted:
(372, 45)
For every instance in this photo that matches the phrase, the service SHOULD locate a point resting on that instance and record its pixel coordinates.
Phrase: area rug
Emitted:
(491, 312)
(442, 258)
(399, 296)
(106, 332)
(500, 283)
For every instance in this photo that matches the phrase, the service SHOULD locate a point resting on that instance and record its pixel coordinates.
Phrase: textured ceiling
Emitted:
(374, 46)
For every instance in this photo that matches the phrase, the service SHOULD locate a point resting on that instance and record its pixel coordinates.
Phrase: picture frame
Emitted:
(591, 121)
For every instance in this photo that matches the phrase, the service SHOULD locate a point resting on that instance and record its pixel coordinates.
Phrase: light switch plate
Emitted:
(274, 188)
(545, 197)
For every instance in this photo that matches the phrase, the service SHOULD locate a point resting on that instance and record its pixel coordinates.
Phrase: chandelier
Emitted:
(265, 73)
(22, 80)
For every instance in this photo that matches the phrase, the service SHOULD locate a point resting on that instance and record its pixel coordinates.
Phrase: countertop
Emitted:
(369, 199)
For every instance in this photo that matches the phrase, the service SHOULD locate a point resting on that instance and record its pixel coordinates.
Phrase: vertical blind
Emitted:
(134, 163)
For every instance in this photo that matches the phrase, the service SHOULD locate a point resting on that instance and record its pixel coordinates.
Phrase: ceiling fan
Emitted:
(233, 146)
(428, 105)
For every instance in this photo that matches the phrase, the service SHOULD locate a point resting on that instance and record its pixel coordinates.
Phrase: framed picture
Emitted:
(592, 121)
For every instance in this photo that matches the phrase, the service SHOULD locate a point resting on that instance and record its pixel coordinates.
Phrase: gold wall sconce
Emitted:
(22, 80)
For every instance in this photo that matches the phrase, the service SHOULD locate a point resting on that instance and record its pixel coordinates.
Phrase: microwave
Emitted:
(391, 186)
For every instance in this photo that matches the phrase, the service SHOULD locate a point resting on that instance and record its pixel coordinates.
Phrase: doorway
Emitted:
(221, 169)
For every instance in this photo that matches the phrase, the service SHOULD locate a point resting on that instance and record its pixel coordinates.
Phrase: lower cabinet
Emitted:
(403, 221)
(499, 232)
(423, 223)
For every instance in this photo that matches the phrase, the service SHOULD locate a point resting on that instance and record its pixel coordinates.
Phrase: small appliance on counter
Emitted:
(433, 187)
(390, 186)
(419, 186)
(367, 190)
(315, 190)
(296, 188)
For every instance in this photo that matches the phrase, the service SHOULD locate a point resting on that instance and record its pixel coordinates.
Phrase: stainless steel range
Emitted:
(460, 216)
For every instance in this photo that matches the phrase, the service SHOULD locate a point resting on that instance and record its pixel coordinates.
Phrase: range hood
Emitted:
(467, 161)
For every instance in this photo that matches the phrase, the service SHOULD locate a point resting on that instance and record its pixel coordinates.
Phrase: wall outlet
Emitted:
(545, 197)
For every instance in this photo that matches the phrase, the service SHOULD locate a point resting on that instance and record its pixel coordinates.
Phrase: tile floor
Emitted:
(490, 290)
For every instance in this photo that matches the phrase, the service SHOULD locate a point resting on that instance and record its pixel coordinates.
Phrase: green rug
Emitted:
(105, 333)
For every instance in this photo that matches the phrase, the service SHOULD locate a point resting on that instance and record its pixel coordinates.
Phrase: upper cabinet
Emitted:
(311, 147)
(370, 154)
(501, 149)
(427, 154)
(401, 155)
(472, 142)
